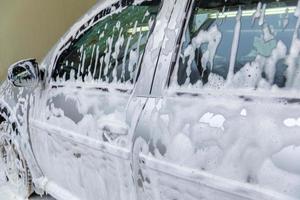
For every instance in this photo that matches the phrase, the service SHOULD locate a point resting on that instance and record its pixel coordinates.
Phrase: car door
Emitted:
(223, 120)
(84, 120)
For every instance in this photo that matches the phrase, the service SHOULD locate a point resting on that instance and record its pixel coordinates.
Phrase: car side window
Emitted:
(111, 50)
(240, 44)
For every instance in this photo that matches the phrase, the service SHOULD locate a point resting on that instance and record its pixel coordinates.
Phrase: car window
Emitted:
(240, 44)
(112, 49)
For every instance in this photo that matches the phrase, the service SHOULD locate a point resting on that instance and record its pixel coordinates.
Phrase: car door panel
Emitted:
(200, 137)
(225, 145)
(83, 157)
(86, 126)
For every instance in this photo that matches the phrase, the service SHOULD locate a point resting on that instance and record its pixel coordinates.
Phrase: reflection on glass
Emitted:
(111, 50)
(264, 42)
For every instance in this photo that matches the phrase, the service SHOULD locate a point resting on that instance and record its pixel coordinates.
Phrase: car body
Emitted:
(160, 100)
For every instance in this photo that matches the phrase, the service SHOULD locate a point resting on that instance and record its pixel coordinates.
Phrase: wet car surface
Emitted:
(160, 100)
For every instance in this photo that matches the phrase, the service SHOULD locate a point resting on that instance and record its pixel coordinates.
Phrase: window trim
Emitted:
(159, 89)
(186, 20)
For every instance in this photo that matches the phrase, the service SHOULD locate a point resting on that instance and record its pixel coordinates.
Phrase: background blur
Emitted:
(29, 28)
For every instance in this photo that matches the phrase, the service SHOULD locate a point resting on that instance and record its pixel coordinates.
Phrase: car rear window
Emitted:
(240, 44)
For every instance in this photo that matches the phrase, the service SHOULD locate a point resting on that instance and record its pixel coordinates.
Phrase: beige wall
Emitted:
(29, 28)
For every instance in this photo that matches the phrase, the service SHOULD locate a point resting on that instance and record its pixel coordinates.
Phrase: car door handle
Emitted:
(113, 126)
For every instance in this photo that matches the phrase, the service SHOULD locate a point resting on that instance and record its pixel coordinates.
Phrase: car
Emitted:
(160, 100)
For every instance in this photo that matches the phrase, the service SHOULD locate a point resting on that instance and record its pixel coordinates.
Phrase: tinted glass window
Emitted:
(112, 49)
(240, 44)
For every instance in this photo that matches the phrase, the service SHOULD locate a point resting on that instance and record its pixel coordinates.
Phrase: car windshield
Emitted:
(240, 44)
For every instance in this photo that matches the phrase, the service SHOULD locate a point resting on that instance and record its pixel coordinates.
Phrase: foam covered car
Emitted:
(160, 100)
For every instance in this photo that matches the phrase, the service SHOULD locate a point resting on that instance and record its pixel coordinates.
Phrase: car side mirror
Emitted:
(24, 73)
